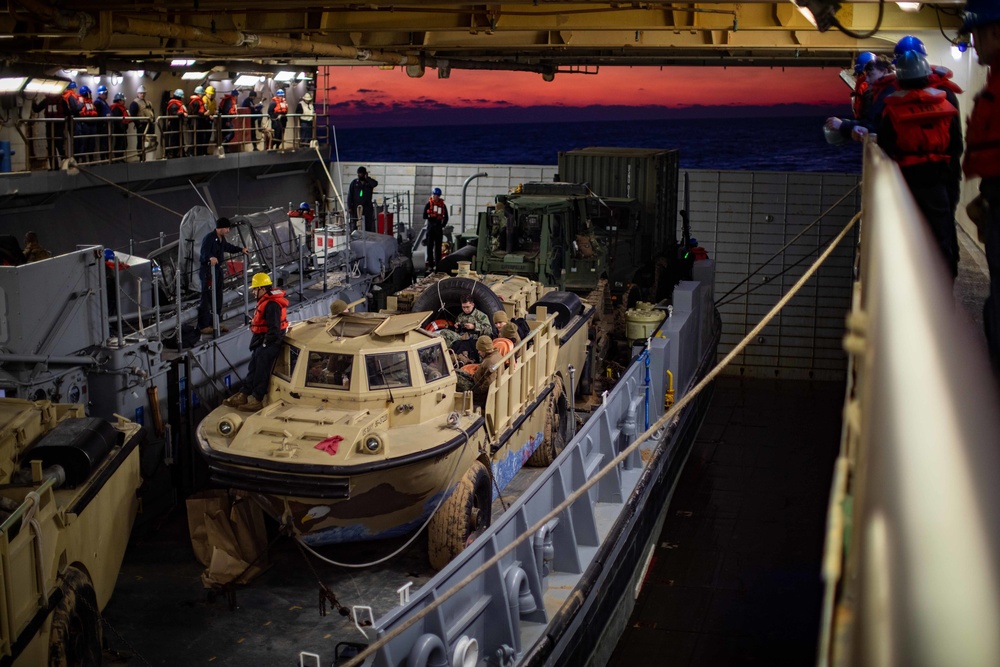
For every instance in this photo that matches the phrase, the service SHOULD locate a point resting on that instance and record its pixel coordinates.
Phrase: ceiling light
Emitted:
(116, 79)
(194, 76)
(304, 77)
(180, 62)
(246, 80)
(46, 86)
(71, 73)
(909, 6)
(140, 73)
(12, 84)
(284, 76)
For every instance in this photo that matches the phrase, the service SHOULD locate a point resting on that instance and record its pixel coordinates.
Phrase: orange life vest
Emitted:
(922, 120)
(258, 324)
(858, 97)
(940, 78)
(435, 209)
(280, 105)
(87, 108)
(982, 136)
(196, 106)
(176, 108)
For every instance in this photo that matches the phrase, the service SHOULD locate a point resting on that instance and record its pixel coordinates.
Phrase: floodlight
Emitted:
(821, 13)
(246, 80)
(46, 86)
(909, 6)
(71, 73)
(12, 84)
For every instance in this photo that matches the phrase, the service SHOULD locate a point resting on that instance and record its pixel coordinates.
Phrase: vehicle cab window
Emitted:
(432, 363)
(330, 370)
(284, 365)
(391, 369)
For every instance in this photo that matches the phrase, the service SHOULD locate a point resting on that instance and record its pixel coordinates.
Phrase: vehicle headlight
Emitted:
(229, 425)
(372, 444)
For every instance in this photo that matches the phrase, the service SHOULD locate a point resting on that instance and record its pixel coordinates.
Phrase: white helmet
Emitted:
(140, 89)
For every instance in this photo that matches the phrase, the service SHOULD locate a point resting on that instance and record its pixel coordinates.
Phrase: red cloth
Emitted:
(330, 444)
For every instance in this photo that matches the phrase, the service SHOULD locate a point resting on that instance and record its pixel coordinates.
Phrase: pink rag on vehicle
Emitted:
(330, 444)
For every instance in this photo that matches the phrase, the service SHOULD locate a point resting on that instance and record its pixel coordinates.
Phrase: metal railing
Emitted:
(912, 563)
(112, 139)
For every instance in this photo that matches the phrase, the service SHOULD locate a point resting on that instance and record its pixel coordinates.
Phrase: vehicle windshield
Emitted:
(329, 370)
(285, 363)
(432, 363)
(391, 369)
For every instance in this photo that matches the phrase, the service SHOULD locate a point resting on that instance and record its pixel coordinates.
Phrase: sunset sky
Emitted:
(361, 95)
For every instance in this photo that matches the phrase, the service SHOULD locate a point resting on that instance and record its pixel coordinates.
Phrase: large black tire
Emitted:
(556, 427)
(462, 517)
(450, 291)
(75, 637)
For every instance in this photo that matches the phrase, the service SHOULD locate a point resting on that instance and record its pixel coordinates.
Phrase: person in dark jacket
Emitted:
(360, 193)
(982, 158)
(173, 134)
(277, 111)
(119, 127)
(213, 253)
(253, 108)
(268, 326)
(921, 130)
(881, 76)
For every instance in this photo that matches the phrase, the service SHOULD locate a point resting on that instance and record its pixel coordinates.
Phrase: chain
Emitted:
(118, 635)
(325, 594)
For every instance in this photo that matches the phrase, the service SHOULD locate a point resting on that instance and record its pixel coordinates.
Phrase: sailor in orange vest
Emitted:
(277, 110)
(920, 130)
(436, 215)
(268, 326)
(85, 132)
(982, 157)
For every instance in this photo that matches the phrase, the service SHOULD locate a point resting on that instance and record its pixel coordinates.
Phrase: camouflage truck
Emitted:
(365, 434)
(67, 505)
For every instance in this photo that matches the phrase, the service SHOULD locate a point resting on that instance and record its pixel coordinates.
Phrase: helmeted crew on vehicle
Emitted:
(268, 327)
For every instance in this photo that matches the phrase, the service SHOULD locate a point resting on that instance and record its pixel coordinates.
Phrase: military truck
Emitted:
(613, 218)
(365, 434)
(67, 503)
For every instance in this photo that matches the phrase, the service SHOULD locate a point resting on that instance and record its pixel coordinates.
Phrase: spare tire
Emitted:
(447, 295)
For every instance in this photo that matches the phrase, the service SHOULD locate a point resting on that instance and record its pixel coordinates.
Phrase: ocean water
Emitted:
(760, 144)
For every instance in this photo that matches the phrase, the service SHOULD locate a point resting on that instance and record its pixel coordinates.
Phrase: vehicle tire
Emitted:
(465, 514)
(450, 292)
(75, 636)
(556, 427)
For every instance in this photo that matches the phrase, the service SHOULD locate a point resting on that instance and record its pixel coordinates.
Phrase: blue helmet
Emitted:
(179, 94)
(912, 65)
(979, 13)
(109, 255)
(199, 90)
(119, 97)
(101, 89)
(84, 90)
(304, 206)
(436, 191)
(863, 59)
(909, 43)
(279, 93)
(71, 85)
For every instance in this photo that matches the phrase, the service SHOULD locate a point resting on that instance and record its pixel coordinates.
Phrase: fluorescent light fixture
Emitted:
(193, 76)
(909, 6)
(46, 86)
(284, 76)
(12, 84)
(304, 77)
(181, 62)
(246, 80)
